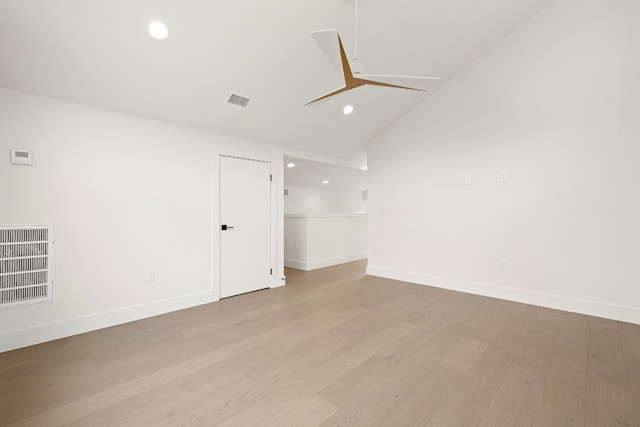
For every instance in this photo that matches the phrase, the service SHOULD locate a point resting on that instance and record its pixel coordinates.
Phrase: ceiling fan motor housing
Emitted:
(357, 66)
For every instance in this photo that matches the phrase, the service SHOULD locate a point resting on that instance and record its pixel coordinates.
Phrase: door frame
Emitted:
(277, 203)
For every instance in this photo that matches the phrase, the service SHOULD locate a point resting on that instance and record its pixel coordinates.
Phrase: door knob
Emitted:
(225, 227)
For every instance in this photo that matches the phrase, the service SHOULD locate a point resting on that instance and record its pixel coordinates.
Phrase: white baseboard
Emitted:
(559, 302)
(66, 328)
(294, 263)
(321, 263)
(278, 283)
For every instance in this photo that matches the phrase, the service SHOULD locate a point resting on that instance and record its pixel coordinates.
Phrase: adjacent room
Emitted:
(338, 212)
(325, 214)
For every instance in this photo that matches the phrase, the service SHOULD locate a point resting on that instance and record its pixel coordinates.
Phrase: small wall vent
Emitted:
(237, 100)
(26, 264)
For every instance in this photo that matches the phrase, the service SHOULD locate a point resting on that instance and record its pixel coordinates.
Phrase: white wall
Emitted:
(126, 194)
(295, 241)
(557, 106)
(317, 241)
(319, 201)
(323, 227)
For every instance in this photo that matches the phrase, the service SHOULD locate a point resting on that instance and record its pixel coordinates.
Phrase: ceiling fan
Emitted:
(353, 72)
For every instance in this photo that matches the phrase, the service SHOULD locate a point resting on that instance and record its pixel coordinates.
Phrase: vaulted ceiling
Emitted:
(99, 53)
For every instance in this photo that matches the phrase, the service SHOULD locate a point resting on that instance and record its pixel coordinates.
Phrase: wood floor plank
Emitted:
(334, 347)
(534, 353)
(305, 301)
(292, 380)
(299, 331)
(462, 357)
(551, 315)
(262, 368)
(421, 401)
(417, 347)
(606, 358)
(565, 385)
(153, 407)
(352, 385)
(570, 352)
(436, 312)
(608, 405)
(475, 391)
(633, 369)
(84, 406)
(367, 408)
(630, 335)
(514, 328)
(423, 299)
(516, 401)
(632, 361)
(562, 404)
(311, 411)
(602, 323)
(489, 320)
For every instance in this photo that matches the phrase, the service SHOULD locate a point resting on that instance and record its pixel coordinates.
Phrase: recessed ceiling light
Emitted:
(290, 165)
(326, 181)
(348, 109)
(158, 30)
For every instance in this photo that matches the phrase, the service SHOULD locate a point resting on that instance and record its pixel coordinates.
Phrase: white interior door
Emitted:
(245, 225)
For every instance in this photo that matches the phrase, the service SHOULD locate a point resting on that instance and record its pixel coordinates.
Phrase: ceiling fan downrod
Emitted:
(357, 66)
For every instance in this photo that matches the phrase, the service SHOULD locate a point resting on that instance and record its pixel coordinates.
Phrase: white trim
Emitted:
(215, 226)
(279, 278)
(321, 263)
(52, 331)
(559, 302)
(294, 263)
(278, 282)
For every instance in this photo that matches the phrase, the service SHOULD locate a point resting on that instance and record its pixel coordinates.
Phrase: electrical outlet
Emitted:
(504, 177)
(504, 264)
(150, 275)
(467, 180)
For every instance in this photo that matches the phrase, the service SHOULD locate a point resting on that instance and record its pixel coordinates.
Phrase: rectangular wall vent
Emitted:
(237, 100)
(26, 264)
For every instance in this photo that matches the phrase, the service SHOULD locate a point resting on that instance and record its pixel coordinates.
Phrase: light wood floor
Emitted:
(334, 347)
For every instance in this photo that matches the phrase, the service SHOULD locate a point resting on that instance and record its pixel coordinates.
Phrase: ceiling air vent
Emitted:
(26, 264)
(237, 100)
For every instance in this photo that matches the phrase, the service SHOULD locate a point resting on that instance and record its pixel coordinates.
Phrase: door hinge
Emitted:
(271, 178)
(271, 271)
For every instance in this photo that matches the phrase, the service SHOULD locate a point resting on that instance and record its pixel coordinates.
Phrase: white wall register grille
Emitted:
(26, 264)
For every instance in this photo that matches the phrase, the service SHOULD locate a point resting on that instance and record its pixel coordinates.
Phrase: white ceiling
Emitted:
(99, 53)
(307, 173)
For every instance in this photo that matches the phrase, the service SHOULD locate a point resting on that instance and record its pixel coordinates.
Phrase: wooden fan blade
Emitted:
(362, 82)
(335, 92)
(411, 82)
(331, 45)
